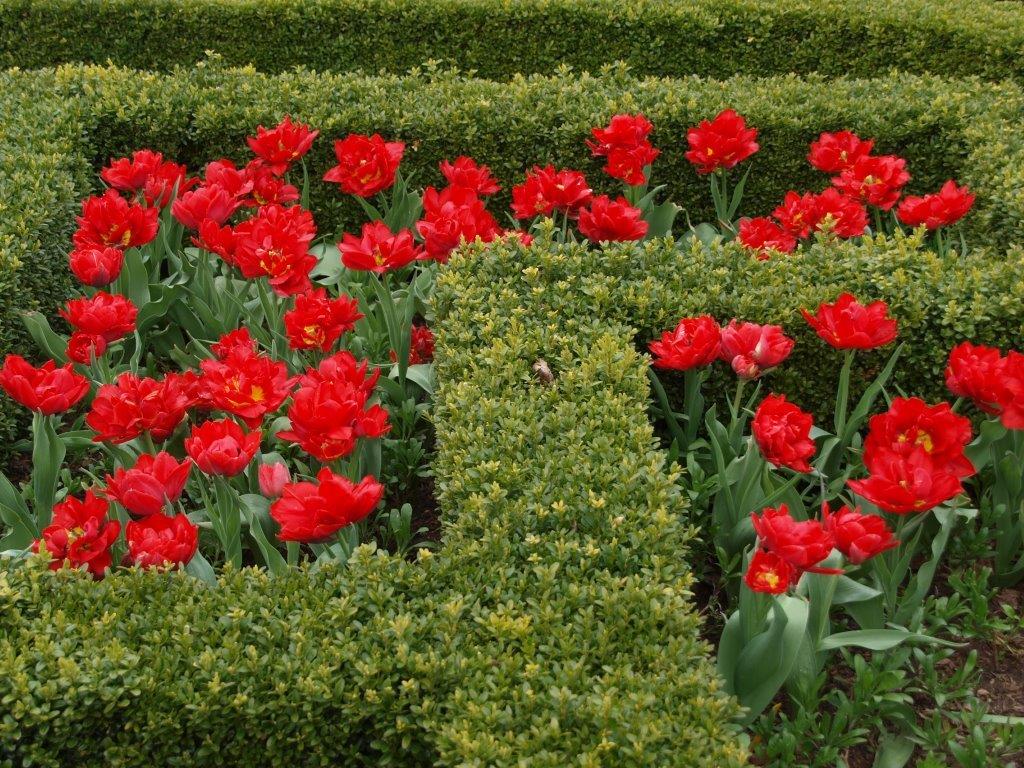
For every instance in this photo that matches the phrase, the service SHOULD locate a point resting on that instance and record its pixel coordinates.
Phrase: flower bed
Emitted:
(660, 37)
(531, 352)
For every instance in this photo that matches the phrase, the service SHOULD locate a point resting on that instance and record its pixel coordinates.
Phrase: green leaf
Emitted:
(328, 267)
(51, 343)
(878, 639)
(660, 219)
(850, 591)
(200, 567)
(47, 457)
(422, 375)
(258, 509)
(767, 660)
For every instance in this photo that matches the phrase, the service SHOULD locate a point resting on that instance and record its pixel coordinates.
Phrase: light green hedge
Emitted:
(554, 628)
(715, 38)
(60, 122)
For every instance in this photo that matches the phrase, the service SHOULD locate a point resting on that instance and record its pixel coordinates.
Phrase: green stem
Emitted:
(678, 436)
(843, 396)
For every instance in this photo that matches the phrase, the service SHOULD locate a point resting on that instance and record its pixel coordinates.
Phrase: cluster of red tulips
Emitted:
(913, 460)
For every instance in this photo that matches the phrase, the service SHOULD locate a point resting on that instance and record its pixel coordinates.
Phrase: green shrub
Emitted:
(61, 122)
(938, 302)
(715, 38)
(554, 627)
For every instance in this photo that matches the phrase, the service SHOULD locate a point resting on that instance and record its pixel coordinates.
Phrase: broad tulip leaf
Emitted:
(850, 591)
(200, 567)
(39, 329)
(660, 219)
(877, 639)
(328, 266)
(258, 509)
(48, 452)
(768, 659)
(422, 375)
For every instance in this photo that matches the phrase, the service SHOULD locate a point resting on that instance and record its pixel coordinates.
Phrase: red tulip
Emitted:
(149, 486)
(764, 237)
(130, 174)
(245, 384)
(606, 220)
(783, 433)
(85, 347)
(80, 535)
(223, 173)
(238, 342)
(310, 512)
(330, 411)
(695, 343)
(546, 190)
(802, 544)
(268, 189)
(452, 217)
(159, 541)
(221, 447)
(378, 249)
(1011, 399)
(146, 171)
(111, 316)
(132, 405)
(216, 239)
(859, 537)
(904, 484)
(273, 478)
(753, 349)
(911, 426)
(721, 143)
(976, 372)
(466, 173)
(317, 321)
(770, 574)
(942, 209)
(47, 389)
(275, 244)
(848, 324)
(96, 266)
(283, 144)
(624, 145)
(110, 220)
(798, 214)
(166, 180)
(841, 215)
(366, 164)
(208, 202)
(835, 152)
(874, 180)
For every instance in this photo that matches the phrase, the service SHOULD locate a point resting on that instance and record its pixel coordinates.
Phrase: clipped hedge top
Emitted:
(661, 37)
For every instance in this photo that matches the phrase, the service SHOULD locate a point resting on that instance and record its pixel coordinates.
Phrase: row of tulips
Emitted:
(303, 368)
(820, 520)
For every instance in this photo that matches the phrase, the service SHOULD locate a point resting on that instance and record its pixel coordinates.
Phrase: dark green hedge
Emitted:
(715, 38)
(554, 628)
(57, 123)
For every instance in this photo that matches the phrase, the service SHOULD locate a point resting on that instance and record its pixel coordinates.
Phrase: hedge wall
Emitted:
(59, 122)
(715, 38)
(554, 628)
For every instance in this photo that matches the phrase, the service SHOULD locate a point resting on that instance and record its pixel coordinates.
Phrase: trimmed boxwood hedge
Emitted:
(554, 628)
(715, 38)
(62, 122)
